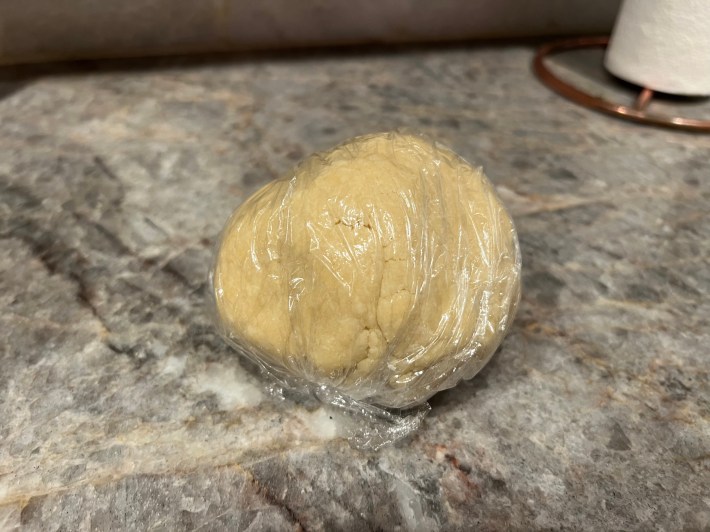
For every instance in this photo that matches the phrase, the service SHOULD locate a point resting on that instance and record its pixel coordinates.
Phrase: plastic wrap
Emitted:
(372, 276)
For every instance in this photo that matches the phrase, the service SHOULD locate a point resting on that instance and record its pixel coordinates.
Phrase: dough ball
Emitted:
(386, 267)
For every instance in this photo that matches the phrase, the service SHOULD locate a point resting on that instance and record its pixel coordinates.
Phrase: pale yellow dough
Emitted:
(386, 267)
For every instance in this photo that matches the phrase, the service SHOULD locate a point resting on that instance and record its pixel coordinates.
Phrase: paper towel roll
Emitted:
(663, 45)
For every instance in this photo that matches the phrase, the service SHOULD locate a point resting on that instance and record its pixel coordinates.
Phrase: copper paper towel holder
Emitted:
(637, 112)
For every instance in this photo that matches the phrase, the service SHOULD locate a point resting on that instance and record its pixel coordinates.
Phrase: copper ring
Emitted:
(638, 112)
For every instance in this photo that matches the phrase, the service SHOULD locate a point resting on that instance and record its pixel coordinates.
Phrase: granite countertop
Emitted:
(121, 409)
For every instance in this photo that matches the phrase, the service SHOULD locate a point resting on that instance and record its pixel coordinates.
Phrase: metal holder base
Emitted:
(637, 112)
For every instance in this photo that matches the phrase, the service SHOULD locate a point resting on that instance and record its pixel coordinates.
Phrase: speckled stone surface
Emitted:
(121, 409)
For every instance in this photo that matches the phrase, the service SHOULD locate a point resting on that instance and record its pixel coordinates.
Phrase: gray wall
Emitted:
(36, 30)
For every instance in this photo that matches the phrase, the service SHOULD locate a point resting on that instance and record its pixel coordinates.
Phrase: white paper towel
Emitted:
(663, 45)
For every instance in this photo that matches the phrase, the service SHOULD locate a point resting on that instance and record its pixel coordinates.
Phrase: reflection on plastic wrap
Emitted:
(374, 275)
